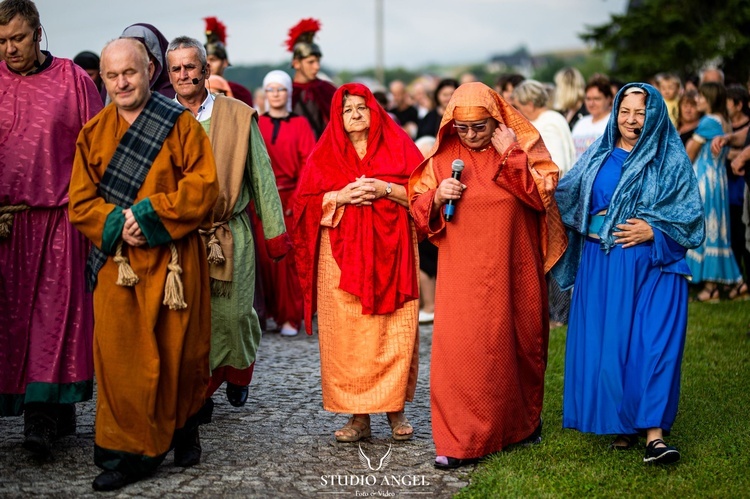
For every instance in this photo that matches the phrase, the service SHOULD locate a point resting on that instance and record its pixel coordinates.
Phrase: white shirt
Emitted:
(555, 132)
(205, 109)
(585, 132)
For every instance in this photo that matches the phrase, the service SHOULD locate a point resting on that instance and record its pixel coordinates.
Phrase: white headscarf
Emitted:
(281, 77)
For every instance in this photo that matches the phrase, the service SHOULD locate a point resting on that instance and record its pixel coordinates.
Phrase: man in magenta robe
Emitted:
(46, 363)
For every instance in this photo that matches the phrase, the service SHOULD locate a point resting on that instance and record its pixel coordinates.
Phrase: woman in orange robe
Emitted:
(357, 262)
(489, 349)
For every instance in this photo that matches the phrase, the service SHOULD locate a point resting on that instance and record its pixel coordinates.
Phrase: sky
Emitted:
(417, 32)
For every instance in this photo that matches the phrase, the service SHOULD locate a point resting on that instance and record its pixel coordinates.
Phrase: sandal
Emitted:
(624, 442)
(739, 292)
(708, 295)
(354, 430)
(398, 427)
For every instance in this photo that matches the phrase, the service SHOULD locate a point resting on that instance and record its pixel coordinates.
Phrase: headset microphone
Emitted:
(637, 131)
(196, 81)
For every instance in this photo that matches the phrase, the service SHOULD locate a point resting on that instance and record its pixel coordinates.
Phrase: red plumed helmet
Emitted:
(303, 32)
(216, 31)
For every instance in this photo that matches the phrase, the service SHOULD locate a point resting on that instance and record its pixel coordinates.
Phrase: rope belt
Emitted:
(7, 214)
(174, 293)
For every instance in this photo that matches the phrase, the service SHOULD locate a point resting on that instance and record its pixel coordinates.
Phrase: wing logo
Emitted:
(368, 464)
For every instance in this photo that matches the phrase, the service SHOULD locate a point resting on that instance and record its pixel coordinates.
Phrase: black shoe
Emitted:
(236, 394)
(113, 480)
(205, 413)
(454, 463)
(661, 455)
(66, 419)
(187, 451)
(39, 429)
(535, 437)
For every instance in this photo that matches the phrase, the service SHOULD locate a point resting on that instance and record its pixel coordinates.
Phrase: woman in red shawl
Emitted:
(489, 341)
(357, 262)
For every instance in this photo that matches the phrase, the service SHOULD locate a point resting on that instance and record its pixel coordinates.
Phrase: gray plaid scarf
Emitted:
(131, 163)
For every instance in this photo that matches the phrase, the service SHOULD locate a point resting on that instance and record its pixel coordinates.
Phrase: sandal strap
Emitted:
(652, 444)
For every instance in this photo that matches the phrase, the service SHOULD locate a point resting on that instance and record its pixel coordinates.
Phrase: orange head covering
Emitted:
(476, 101)
(216, 83)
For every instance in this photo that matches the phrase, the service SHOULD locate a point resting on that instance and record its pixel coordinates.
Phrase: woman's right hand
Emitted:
(449, 188)
(361, 192)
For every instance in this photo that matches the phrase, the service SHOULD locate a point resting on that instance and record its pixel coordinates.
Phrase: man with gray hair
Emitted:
(245, 175)
(46, 363)
(143, 183)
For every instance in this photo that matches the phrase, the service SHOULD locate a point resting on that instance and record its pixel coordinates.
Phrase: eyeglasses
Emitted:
(477, 127)
(269, 90)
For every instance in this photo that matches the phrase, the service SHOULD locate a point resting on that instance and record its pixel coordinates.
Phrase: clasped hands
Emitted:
(131, 231)
(361, 192)
(635, 231)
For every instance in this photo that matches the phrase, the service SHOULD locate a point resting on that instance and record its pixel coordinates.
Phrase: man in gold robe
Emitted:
(143, 183)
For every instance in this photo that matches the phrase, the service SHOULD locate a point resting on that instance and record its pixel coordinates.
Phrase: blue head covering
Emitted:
(658, 185)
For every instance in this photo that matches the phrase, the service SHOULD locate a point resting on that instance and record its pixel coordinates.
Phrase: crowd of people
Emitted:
(153, 224)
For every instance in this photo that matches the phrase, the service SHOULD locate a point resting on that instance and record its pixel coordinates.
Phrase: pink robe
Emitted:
(46, 336)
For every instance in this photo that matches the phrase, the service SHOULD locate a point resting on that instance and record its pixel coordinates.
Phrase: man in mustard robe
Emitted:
(245, 175)
(143, 183)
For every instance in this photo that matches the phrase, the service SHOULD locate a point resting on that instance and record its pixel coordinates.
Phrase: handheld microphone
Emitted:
(450, 208)
(637, 131)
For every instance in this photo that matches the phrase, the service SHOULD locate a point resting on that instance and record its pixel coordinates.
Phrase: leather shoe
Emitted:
(113, 480)
(236, 394)
(39, 431)
(187, 451)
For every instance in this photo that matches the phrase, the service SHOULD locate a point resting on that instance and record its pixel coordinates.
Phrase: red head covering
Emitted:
(372, 245)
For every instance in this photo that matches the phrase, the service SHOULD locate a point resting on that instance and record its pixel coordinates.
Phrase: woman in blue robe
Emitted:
(712, 263)
(632, 208)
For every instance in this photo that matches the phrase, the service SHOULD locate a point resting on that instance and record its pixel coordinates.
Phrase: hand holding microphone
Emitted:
(454, 191)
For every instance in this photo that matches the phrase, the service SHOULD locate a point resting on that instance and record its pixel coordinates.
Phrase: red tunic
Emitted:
(289, 152)
(489, 347)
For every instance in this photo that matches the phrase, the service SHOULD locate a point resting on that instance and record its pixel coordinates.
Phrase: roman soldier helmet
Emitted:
(300, 40)
(216, 38)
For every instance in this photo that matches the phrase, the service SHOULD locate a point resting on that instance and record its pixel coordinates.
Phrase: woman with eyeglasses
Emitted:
(491, 326)
(289, 140)
(632, 208)
(598, 101)
(356, 252)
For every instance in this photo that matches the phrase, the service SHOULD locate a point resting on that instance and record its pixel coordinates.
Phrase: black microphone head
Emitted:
(637, 131)
(196, 81)
(457, 165)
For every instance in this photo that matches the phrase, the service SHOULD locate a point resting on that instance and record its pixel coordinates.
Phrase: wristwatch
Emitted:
(388, 189)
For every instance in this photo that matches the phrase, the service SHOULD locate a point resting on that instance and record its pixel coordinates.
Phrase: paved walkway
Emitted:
(279, 445)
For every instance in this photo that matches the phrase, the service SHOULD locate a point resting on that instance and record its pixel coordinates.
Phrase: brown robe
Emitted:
(151, 362)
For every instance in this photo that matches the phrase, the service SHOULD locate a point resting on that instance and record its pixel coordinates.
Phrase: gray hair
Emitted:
(531, 91)
(185, 42)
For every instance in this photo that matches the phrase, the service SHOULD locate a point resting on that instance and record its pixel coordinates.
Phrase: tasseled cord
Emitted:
(174, 294)
(215, 254)
(125, 274)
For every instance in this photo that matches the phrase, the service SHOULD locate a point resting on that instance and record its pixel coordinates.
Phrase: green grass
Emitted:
(712, 430)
